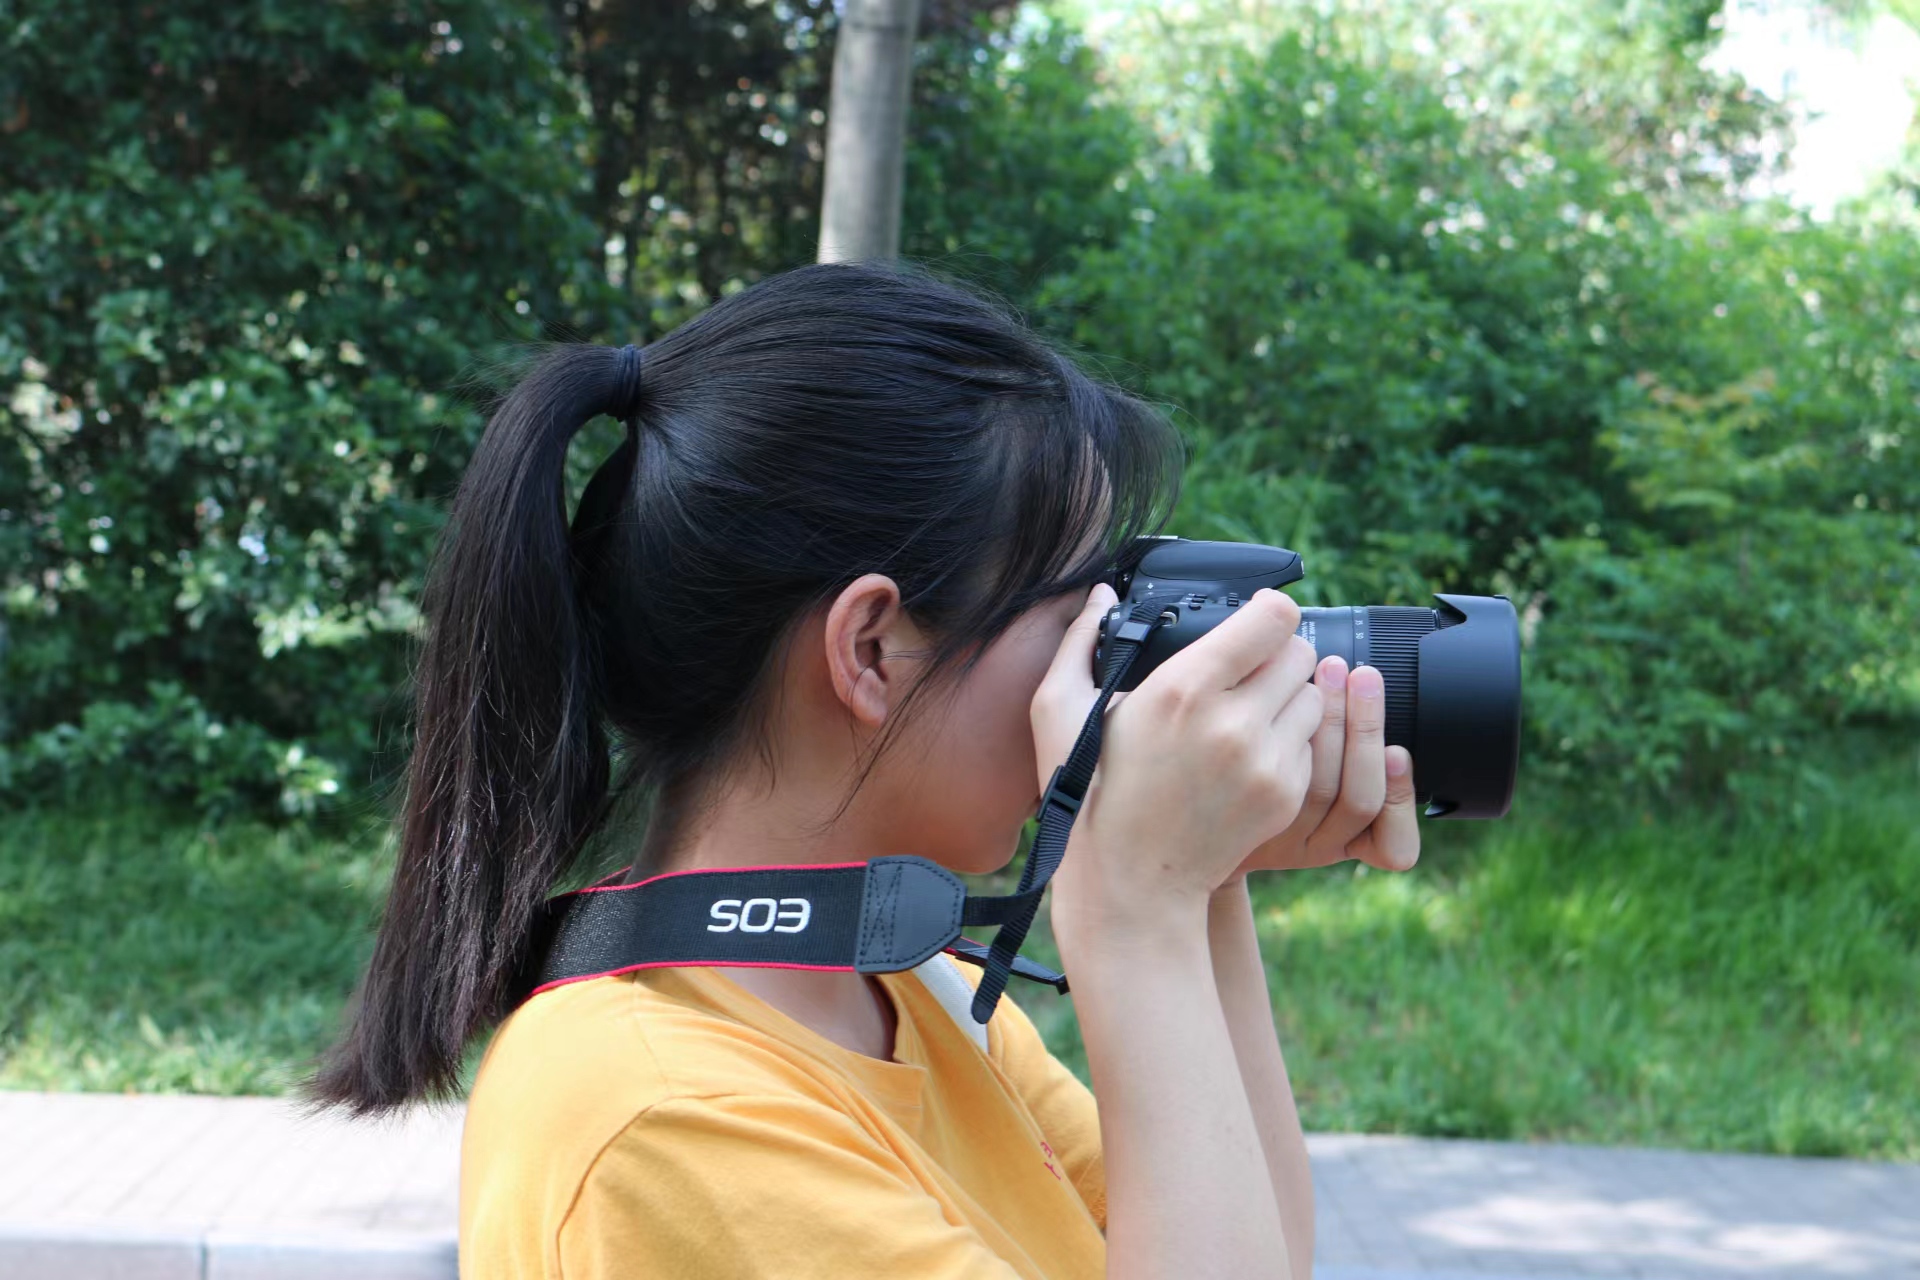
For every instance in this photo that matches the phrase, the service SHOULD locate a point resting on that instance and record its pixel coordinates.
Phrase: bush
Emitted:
(1431, 357)
(246, 252)
(256, 265)
(1020, 158)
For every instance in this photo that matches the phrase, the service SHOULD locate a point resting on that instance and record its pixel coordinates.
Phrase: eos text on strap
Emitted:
(866, 917)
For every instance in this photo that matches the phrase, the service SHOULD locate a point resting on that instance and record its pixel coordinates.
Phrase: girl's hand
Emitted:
(1206, 760)
(1360, 802)
(1060, 705)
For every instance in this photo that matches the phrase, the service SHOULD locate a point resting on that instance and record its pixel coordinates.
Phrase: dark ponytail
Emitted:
(828, 422)
(509, 766)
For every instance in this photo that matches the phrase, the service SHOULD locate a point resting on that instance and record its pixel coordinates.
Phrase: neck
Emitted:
(748, 821)
(770, 829)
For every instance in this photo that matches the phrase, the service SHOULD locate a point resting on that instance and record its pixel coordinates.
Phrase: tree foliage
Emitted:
(709, 134)
(259, 264)
(1432, 354)
(1021, 157)
(248, 250)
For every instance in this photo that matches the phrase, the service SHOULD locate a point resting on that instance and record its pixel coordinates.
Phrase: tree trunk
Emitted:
(867, 130)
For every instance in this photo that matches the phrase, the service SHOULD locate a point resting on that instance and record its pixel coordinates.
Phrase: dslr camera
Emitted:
(1452, 671)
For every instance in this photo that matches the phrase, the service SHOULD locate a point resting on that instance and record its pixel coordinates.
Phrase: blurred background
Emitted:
(1613, 308)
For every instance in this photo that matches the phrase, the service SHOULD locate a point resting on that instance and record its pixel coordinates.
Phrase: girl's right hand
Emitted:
(1207, 759)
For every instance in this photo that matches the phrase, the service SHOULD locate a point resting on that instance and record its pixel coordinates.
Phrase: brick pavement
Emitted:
(174, 1187)
(1404, 1207)
(190, 1188)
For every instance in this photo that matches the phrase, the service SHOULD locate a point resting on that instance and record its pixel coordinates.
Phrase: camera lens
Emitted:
(1386, 637)
(1452, 678)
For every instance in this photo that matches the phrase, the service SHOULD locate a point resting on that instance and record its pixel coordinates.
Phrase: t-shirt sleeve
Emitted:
(749, 1187)
(1063, 1107)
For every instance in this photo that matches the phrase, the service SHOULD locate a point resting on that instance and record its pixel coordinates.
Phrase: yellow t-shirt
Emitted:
(669, 1123)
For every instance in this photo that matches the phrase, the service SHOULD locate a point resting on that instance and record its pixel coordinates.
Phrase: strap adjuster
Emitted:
(1059, 796)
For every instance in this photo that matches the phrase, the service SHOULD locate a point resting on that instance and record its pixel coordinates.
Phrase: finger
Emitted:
(1363, 771)
(1392, 843)
(1262, 694)
(1293, 728)
(1328, 743)
(1291, 734)
(1254, 633)
(1073, 664)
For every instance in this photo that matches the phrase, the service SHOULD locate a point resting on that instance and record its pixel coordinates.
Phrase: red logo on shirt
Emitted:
(1049, 1160)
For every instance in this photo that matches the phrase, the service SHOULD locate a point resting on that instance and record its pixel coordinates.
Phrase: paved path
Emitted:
(185, 1188)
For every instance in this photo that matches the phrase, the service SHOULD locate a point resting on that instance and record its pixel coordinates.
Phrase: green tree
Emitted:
(257, 265)
(247, 250)
(1432, 355)
(1435, 322)
(1022, 158)
(1756, 594)
(709, 129)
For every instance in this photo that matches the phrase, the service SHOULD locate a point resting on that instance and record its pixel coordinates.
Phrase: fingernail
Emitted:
(1397, 763)
(1333, 673)
(1367, 682)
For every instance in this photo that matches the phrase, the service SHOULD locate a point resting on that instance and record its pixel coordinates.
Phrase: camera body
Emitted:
(1452, 673)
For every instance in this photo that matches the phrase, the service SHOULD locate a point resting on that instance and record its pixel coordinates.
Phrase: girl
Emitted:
(834, 597)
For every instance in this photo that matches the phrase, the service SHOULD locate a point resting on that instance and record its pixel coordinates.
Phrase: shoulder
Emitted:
(1013, 1042)
(574, 1071)
(594, 1054)
(763, 1187)
(612, 1127)
(573, 1065)
(1059, 1101)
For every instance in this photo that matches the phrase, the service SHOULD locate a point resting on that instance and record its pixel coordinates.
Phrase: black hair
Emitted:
(828, 422)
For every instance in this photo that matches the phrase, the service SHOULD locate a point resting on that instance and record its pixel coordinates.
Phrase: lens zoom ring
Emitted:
(1393, 641)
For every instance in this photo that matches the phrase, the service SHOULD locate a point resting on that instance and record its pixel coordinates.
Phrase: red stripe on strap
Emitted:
(679, 964)
(703, 871)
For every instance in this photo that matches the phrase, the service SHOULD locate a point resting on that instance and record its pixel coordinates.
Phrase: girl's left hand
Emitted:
(1360, 802)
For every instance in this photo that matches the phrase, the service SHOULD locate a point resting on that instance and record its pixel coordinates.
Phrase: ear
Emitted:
(866, 633)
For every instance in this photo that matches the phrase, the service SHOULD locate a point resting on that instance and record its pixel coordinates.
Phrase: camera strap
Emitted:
(878, 916)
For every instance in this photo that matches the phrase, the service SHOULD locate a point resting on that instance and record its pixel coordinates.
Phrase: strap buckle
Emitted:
(1060, 795)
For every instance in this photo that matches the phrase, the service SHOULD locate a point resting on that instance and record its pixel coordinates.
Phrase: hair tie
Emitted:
(626, 396)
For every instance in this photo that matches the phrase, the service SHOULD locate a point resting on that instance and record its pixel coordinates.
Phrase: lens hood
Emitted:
(1466, 749)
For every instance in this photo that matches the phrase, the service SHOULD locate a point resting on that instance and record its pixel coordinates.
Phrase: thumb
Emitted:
(1066, 692)
(1073, 664)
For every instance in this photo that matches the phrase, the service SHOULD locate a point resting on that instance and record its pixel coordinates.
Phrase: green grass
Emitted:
(1604, 976)
(1613, 978)
(141, 953)
(1650, 983)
